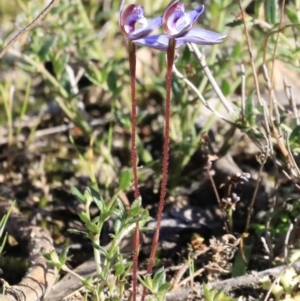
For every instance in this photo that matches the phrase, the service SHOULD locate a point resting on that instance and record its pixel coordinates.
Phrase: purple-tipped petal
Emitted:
(194, 14)
(159, 42)
(146, 29)
(173, 13)
(201, 37)
(176, 22)
(132, 15)
(129, 17)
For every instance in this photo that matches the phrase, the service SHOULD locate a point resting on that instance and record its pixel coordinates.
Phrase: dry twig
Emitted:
(39, 18)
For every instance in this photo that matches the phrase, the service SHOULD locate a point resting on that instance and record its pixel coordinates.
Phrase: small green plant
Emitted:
(285, 287)
(112, 267)
(157, 286)
(215, 295)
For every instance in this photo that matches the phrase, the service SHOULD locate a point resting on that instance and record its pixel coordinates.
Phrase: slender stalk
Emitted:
(132, 64)
(170, 62)
(251, 55)
(97, 254)
(201, 58)
(136, 237)
(220, 19)
(250, 208)
(39, 18)
(136, 245)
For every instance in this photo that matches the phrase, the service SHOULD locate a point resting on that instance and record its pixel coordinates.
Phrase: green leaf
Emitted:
(85, 217)
(122, 119)
(271, 11)
(220, 296)
(134, 212)
(159, 278)
(137, 203)
(208, 294)
(109, 213)
(237, 51)
(240, 267)
(136, 219)
(88, 197)
(121, 207)
(63, 256)
(225, 87)
(215, 295)
(112, 80)
(147, 282)
(145, 155)
(95, 74)
(292, 14)
(119, 269)
(105, 71)
(125, 179)
(53, 259)
(74, 231)
(118, 212)
(96, 219)
(117, 226)
(97, 198)
(99, 248)
(59, 64)
(249, 111)
(135, 208)
(46, 47)
(88, 282)
(78, 195)
(295, 135)
(164, 288)
(92, 228)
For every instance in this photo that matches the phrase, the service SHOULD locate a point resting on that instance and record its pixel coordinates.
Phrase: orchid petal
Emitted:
(159, 42)
(201, 37)
(176, 23)
(130, 16)
(194, 14)
(173, 13)
(146, 29)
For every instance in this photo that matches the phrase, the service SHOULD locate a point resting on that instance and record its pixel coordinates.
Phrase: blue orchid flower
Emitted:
(135, 26)
(131, 17)
(177, 25)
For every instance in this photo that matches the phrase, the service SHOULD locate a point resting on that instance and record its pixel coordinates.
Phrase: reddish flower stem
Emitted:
(136, 236)
(132, 64)
(163, 189)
